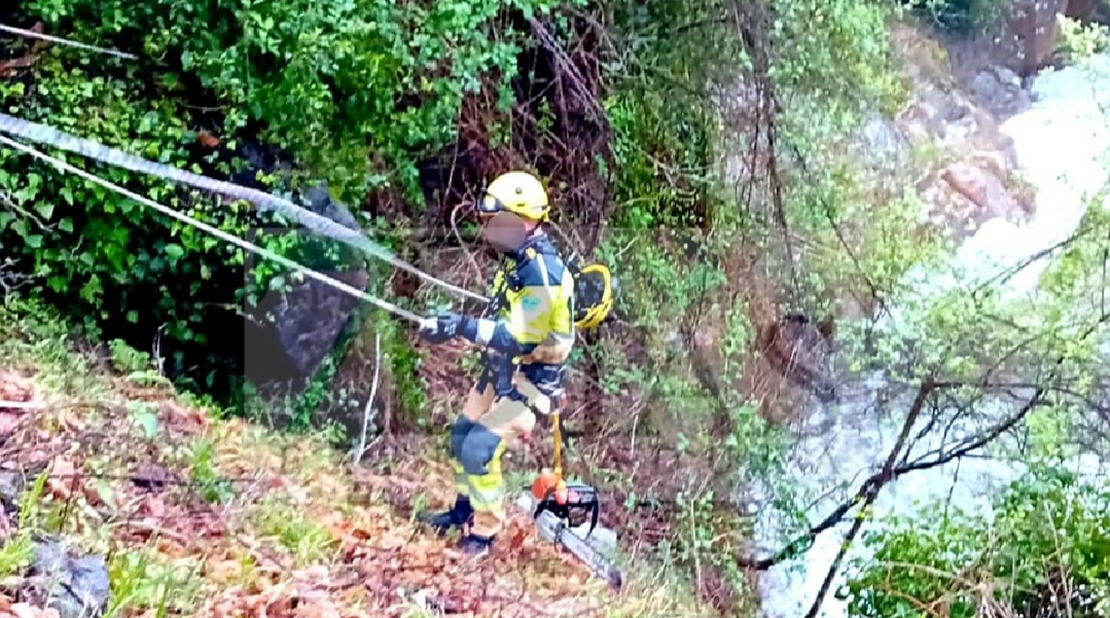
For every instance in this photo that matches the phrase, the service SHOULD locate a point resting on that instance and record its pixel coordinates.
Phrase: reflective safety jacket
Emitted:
(529, 322)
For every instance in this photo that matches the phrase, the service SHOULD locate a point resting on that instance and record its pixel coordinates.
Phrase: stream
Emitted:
(1060, 144)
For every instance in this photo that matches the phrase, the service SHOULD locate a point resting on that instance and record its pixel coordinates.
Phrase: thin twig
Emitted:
(871, 493)
(367, 411)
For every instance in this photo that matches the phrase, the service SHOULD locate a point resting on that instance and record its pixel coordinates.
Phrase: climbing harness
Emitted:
(44, 134)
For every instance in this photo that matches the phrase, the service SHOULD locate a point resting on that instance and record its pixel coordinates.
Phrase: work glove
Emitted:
(441, 328)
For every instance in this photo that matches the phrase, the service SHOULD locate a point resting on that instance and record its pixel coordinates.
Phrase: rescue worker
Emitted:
(526, 332)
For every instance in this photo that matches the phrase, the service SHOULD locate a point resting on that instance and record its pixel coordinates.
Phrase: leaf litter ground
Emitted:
(221, 518)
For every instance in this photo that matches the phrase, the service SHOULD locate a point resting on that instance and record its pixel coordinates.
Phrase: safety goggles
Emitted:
(489, 206)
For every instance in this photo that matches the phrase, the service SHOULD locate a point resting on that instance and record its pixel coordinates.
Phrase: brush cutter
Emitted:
(561, 506)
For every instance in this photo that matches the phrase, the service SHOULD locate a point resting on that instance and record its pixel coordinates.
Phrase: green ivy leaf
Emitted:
(44, 208)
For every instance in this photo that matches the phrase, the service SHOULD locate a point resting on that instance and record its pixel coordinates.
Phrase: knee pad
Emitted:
(459, 431)
(477, 450)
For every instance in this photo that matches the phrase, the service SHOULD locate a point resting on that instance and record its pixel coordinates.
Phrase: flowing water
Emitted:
(1060, 144)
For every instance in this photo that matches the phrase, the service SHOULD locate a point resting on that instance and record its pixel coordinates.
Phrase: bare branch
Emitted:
(367, 412)
(10, 279)
(865, 495)
(872, 490)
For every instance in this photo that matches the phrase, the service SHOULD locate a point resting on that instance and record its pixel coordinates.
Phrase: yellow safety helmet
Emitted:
(520, 193)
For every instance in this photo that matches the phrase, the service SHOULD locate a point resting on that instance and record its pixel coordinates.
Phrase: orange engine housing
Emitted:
(547, 483)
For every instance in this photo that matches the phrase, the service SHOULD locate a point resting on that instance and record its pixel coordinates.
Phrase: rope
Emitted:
(222, 235)
(44, 134)
(31, 34)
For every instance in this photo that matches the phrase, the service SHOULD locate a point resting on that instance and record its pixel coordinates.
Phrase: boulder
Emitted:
(308, 319)
(982, 188)
(964, 171)
(311, 316)
(1001, 91)
(11, 490)
(965, 194)
(76, 587)
(800, 350)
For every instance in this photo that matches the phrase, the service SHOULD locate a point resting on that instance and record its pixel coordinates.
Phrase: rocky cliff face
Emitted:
(962, 165)
(945, 145)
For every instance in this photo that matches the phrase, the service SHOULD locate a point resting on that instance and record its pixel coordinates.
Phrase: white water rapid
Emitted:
(1060, 144)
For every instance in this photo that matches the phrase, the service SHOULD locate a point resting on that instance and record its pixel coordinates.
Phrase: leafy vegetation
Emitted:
(290, 526)
(1041, 547)
(721, 194)
(1044, 550)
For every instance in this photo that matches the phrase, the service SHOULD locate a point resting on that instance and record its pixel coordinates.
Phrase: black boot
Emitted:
(459, 515)
(476, 545)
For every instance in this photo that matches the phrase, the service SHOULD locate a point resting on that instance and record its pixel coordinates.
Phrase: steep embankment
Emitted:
(198, 516)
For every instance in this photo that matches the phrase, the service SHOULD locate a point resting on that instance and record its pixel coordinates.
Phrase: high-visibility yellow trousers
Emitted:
(482, 433)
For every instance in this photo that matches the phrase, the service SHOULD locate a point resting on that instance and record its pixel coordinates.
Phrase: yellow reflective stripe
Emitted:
(487, 491)
(461, 485)
(562, 314)
(487, 523)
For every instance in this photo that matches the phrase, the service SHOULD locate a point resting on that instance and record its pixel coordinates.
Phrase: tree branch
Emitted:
(367, 412)
(866, 493)
(872, 489)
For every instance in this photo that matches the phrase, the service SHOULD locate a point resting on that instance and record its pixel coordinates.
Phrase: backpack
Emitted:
(593, 292)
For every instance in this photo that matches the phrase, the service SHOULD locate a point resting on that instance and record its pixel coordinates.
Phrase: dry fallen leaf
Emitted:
(208, 140)
(153, 507)
(176, 413)
(63, 479)
(15, 388)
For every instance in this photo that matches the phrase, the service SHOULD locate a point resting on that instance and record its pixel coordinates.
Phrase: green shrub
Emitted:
(353, 92)
(1049, 530)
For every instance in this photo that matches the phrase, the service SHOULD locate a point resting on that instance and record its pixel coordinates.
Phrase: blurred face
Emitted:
(507, 231)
